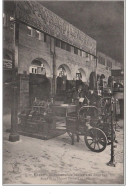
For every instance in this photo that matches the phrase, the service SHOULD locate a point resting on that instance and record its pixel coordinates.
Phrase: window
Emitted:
(109, 64)
(78, 76)
(44, 37)
(41, 70)
(37, 34)
(29, 31)
(101, 60)
(58, 43)
(68, 47)
(87, 55)
(90, 57)
(81, 53)
(75, 50)
(48, 38)
(32, 70)
(93, 57)
(62, 72)
(63, 45)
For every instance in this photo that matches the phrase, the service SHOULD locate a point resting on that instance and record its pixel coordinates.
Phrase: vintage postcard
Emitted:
(63, 92)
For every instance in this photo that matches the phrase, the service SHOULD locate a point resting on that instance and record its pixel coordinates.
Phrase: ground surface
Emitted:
(56, 161)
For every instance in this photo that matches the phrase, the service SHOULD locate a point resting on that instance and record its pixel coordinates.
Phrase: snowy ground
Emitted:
(56, 161)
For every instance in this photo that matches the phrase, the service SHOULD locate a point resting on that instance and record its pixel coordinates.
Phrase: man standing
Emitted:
(78, 96)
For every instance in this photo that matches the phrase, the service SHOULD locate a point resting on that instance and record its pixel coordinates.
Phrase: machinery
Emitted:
(89, 122)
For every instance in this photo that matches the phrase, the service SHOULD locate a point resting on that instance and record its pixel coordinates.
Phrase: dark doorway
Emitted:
(39, 87)
(92, 81)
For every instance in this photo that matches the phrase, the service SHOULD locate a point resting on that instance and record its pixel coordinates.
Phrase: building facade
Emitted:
(106, 64)
(41, 43)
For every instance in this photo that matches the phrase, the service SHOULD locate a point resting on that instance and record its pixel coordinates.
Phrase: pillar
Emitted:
(14, 136)
(52, 51)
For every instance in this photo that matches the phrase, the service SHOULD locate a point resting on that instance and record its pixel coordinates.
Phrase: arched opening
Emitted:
(102, 76)
(64, 79)
(80, 78)
(40, 66)
(83, 75)
(39, 80)
(64, 70)
(92, 81)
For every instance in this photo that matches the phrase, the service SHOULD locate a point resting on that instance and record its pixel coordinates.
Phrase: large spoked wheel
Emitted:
(95, 140)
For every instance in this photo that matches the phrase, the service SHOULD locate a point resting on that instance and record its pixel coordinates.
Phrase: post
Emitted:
(116, 119)
(54, 75)
(14, 136)
(112, 159)
(52, 50)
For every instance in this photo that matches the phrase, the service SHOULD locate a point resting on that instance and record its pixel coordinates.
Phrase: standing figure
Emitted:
(78, 96)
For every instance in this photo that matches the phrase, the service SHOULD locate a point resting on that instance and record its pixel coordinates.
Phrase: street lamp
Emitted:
(112, 159)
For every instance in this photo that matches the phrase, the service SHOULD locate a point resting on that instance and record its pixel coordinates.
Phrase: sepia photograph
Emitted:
(63, 92)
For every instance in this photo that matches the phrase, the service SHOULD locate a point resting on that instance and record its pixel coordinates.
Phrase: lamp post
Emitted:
(112, 159)
(14, 136)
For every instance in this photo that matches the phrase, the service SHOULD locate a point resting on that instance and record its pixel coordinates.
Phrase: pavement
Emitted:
(56, 161)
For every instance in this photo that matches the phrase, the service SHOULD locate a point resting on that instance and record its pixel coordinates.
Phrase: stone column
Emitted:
(14, 136)
(52, 50)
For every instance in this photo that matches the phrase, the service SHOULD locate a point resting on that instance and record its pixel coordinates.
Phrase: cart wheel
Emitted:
(95, 140)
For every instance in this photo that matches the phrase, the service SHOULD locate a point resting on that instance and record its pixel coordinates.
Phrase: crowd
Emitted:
(83, 95)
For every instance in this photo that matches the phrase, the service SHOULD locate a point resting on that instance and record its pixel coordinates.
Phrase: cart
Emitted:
(90, 123)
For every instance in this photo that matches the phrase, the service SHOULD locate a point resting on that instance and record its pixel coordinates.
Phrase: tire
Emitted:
(95, 139)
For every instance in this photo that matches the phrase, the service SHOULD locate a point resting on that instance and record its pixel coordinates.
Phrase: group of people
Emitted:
(83, 95)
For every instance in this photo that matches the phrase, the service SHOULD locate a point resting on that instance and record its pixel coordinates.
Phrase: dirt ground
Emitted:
(56, 161)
